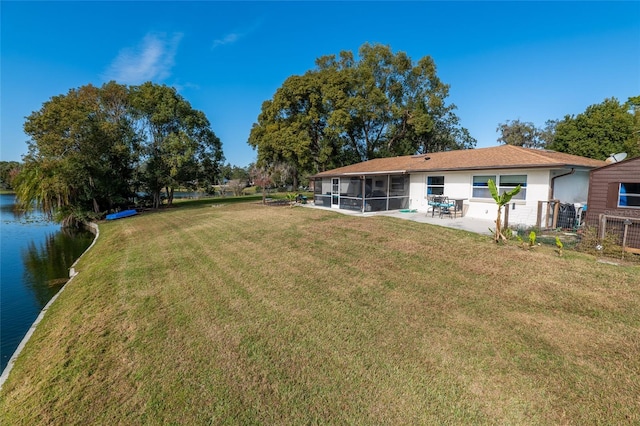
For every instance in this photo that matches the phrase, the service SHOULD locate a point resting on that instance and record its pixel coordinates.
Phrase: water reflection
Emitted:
(47, 264)
(12, 214)
(35, 261)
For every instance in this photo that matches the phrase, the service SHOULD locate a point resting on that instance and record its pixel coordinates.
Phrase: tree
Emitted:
(237, 186)
(392, 106)
(89, 146)
(603, 129)
(347, 110)
(41, 184)
(396, 107)
(8, 170)
(519, 133)
(501, 200)
(79, 153)
(547, 133)
(234, 178)
(230, 172)
(261, 176)
(292, 126)
(177, 141)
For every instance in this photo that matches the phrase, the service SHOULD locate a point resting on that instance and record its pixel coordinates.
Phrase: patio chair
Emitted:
(434, 202)
(447, 207)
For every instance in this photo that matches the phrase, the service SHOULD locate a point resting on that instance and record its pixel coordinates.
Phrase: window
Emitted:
(435, 185)
(504, 183)
(629, 195)
(509, 182)
(481, 186)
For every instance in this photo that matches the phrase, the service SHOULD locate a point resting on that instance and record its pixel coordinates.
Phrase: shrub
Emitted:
(590, 243)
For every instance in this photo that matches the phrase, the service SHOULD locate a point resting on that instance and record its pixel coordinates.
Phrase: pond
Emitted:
(35, 262)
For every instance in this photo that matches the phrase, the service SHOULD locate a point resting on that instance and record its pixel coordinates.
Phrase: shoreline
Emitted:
(93, 227)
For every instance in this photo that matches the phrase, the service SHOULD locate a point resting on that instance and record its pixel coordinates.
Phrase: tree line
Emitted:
(602, 129)
(94, 149)
(8, 170)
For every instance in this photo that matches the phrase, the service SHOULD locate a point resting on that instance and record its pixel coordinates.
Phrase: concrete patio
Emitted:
(478, 226)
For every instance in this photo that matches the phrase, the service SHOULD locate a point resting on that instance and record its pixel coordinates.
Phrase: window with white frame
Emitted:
(509, 182)
(481, 186)
(504, 183)
(435, 185)
(629, 195)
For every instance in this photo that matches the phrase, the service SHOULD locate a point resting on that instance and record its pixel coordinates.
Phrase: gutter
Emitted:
(390, 172)
(514, 167)
(360, 174)
(553, 182)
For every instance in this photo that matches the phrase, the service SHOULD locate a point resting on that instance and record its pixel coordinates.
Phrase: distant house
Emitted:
(407, 182)
(614, 191)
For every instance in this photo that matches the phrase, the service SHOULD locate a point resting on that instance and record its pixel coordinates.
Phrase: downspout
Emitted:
(553, 182)
(552, 188)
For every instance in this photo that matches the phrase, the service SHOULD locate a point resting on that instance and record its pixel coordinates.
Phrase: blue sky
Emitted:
(531, 61)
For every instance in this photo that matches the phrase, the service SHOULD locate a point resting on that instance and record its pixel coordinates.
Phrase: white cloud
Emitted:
(229, 38)
(237, 35)
(151, 60)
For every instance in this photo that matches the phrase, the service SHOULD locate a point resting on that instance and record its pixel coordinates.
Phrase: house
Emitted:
(407, 182)
(614, 198)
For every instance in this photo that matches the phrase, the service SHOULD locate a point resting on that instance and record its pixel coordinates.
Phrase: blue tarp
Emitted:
(119, 215)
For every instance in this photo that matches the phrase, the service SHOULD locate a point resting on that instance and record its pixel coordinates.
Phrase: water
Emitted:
(35, 257)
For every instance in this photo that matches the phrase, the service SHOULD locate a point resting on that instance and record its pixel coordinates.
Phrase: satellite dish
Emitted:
(614, 158)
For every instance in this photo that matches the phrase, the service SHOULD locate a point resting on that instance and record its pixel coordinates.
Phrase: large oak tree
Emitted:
(348, 110)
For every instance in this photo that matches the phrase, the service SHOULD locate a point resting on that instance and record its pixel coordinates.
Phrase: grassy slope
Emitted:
(264, 315)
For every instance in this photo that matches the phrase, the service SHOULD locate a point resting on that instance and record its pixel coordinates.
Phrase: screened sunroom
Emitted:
(365, 193)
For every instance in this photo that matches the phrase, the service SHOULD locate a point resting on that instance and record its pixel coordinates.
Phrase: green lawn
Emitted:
(248, 314)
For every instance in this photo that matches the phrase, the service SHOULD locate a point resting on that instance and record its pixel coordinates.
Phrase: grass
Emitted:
(247, 314)
(255, 197)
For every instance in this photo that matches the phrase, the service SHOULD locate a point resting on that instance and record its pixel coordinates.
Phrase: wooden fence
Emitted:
(552, 214)
(626, 229)
(547, 218)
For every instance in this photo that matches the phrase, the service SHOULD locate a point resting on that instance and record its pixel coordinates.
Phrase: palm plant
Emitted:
(501, 200)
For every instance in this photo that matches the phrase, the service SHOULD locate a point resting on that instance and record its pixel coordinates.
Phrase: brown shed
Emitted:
(614, 193)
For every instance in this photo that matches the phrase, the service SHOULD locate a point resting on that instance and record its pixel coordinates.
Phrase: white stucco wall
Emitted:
(569, 189)
(572, 188)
